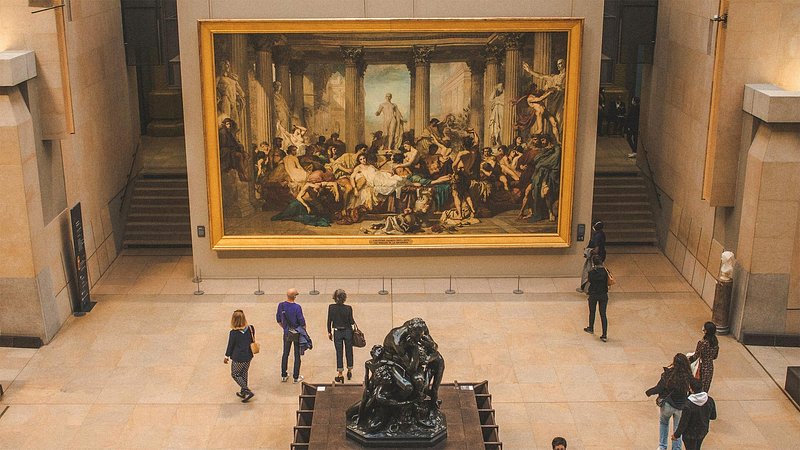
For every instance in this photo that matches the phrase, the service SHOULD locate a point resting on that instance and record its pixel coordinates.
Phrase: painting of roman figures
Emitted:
(398, 133)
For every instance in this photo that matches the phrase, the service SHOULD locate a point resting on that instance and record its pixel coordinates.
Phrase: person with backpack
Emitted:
(672, 390)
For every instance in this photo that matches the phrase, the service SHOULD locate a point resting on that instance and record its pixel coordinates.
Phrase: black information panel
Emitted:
(84, 302)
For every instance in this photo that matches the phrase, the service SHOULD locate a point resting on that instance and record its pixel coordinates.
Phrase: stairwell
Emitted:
(159, 212)
(621, 201)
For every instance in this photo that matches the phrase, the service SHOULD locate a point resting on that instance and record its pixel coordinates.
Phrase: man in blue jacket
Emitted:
(290, 318)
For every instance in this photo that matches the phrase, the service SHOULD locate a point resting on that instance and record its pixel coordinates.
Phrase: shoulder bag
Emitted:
(611, 280)
(358, 337)
(255, 347)
(291, 332)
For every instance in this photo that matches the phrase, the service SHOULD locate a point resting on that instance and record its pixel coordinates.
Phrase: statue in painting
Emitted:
(392, 122)
(400, 403)
(496, 103)
(282, 113)
(230, 95)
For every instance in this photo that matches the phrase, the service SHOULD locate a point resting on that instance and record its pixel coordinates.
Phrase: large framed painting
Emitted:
(368, 134)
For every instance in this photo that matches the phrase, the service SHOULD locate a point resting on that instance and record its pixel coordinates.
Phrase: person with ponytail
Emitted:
(707, 351)
(672, 390)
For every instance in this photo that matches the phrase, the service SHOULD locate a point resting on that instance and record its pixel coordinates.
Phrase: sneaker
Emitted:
(579, 289)
(240, 394)
(631, 155)
(284, 379)
(604, 338)
(589, 330)
(247, 396)
(298, 379)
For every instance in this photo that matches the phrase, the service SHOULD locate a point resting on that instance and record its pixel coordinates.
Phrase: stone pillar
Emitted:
(240, 65)
(352, 56)
(476, 68)
(413, 74)
(494, 54)
(422, 87)
(513, 66)
(361, 93)
(280, 56)
(297, 67)
(542, 53)
(265, 129)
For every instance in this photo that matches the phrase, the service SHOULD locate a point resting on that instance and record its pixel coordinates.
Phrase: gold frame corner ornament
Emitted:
(561, 239)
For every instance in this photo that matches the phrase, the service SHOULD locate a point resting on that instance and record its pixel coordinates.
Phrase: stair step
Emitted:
(163, 201)
(139, 217)
(158, 191)
(159, 209)
(133, 243)
(173, 227)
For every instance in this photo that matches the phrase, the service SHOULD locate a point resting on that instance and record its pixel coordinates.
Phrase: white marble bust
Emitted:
(726, 266)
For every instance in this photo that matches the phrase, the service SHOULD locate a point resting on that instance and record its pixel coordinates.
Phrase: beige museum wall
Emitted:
(96, 157)
(554, 262)
(762, 45)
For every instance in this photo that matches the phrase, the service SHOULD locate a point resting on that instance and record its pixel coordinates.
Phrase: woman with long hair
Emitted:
(707, 351)
(672, 390)
(340, 331)
(240, 353)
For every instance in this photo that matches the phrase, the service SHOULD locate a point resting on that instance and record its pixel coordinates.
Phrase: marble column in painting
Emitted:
(280, 57)
(352, 55)
(297, 68)
(494, 54)
(361, 93)
(265, 128)
(542, 53)
(513, 66)
(413, 74)
(422, 87)
(476, 69)
(240, 65)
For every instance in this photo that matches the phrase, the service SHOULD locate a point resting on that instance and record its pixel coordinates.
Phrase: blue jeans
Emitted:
(668, 411)
(343, 338)
(287, 346)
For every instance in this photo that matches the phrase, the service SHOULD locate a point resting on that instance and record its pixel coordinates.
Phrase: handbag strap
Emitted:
(252, 333)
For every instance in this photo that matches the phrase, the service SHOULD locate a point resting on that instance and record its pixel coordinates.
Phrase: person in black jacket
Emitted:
(340, 331)
(672, 390)
(240, 353)
(598, 294)
(697, 413)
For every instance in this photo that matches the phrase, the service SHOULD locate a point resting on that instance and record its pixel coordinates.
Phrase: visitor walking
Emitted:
(698, 412)
(672, 390)
(707, 351)
(340, 331)
(596, 246)
(559, 443)
(240, 353)
(598, 296)
(290, 318)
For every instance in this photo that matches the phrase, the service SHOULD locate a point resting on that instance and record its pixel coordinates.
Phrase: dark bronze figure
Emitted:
(400, 404)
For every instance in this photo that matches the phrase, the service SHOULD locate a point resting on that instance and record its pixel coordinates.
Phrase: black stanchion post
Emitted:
(450, 289)
(383, 290)
(199, 291)
(258, 291)
(313, 290)
(518, 290)
(198, 275)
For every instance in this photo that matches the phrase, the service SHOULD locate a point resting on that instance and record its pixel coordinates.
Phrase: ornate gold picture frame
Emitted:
(404, 134)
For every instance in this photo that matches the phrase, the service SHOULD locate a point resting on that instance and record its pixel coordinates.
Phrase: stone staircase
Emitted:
(621, 201)
(159, 212)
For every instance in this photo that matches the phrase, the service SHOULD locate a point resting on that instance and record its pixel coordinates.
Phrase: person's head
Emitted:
(263, 146)
(680, 373)
(238, 321)
(544, 140)
(407, 146)
(518, 140)
(277, 142)
(321, 140)
(332, 151)
(362, 159)
(559, 443)
(388, 96)
(276, 86)
(277, 155)
(710, 333)
(432, 148)
(376, 352)
(291, 294)
(334, 135)
(416, 327)
(503, 149)
(397, 158)
(486, 152)
(339, 296)
(561, 64)
(292, 150)
(597, 260)
(361, 147)
(597, 226)
(228, 123)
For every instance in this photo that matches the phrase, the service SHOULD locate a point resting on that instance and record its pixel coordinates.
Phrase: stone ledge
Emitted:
(16, 66)
(771, 103)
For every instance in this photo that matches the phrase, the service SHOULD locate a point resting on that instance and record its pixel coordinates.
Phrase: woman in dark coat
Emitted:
(340, 331)
(598, 295)
(707, 351)
(672, 390)
(240, 353)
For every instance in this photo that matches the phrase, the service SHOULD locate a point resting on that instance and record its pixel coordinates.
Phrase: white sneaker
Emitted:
(631, 155)
(298, 379)
(284, 379)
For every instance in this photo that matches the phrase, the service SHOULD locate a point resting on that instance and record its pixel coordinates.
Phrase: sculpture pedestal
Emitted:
(722, 304)
(415, 436)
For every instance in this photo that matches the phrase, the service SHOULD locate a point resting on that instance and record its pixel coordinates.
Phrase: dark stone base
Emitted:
(771, 340)
(20, 341)
(792, 385)
(397, 441)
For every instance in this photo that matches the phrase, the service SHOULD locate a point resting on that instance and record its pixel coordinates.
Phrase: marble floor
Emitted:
(144, 369)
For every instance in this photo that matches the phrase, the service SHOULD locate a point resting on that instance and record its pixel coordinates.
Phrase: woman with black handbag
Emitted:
(241, 347)
(598, 295)
(340, 331)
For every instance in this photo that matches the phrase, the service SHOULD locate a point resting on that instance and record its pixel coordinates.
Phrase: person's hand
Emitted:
(330, 337)
(673, 438)
(225, 361)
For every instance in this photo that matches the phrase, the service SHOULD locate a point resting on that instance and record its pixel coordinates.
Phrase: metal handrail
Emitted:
(130, 174)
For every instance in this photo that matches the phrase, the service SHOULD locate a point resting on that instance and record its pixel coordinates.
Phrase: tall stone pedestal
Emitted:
(722, 306)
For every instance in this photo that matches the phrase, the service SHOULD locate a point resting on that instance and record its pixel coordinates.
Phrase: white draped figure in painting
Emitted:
(392, 122)
(496, 103)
